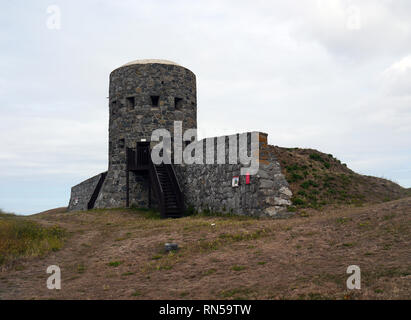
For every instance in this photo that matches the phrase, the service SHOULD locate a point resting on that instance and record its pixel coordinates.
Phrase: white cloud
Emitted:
(354, 31)
(396, 79)
(296, 70)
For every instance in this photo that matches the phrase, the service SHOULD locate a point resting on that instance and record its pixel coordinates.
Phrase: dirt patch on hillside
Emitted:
(117, 254)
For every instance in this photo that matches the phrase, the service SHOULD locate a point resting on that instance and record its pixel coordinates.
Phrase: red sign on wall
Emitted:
(247, 178)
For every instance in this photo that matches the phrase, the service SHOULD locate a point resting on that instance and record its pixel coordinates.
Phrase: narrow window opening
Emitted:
(121, 143)
(154, 100)
(178, 103)
(131, 102)
(113, 107)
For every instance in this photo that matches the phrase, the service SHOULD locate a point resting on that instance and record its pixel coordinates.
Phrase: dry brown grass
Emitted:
(114, 254)
(21, 237)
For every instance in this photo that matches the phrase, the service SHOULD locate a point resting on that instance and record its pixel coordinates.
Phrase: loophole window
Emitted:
(154, 101)
(131, 102)
(178, 103)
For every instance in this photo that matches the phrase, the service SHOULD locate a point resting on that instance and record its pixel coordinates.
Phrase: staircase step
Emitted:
(170, 196)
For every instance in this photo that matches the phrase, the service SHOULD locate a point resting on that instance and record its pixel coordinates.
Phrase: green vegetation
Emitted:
(212, 213)
(236, 294)
(136, 293)
(237, 268)
(318, 179)
(114, 263)
(20, 237)
(317, 157)
(241, 236)
(296, 177)
(190, 211)
(291, 209)
(313, 296)
(343, 220)
(166, 262)
(81, 268)
(212, 251)
(210, 271)
(148, 213)
(348, 245)
(308, 183)
(297, 201)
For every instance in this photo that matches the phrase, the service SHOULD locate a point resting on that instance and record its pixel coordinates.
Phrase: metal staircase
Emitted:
(162, 180)
(168, 191)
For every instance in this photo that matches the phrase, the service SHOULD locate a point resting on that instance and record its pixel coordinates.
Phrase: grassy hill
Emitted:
(318, 179)
(118, 254)
(344, 218)
(22, 237)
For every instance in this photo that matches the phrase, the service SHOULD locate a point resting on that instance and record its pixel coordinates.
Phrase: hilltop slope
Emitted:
(116, 254)
(318, 179)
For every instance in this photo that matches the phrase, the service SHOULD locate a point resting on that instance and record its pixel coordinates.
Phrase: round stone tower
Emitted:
(144, 95)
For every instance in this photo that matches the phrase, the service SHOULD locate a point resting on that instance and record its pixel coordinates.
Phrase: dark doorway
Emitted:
(143, 154)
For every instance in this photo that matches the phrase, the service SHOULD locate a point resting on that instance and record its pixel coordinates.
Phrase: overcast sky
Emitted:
(329, 75)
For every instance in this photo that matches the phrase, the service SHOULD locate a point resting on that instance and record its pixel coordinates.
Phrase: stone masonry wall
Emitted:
(133, 117)
(274, 192)
(209, 187)
(82, 192)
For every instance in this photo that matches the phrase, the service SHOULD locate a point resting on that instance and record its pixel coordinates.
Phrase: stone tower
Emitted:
(144, 95)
